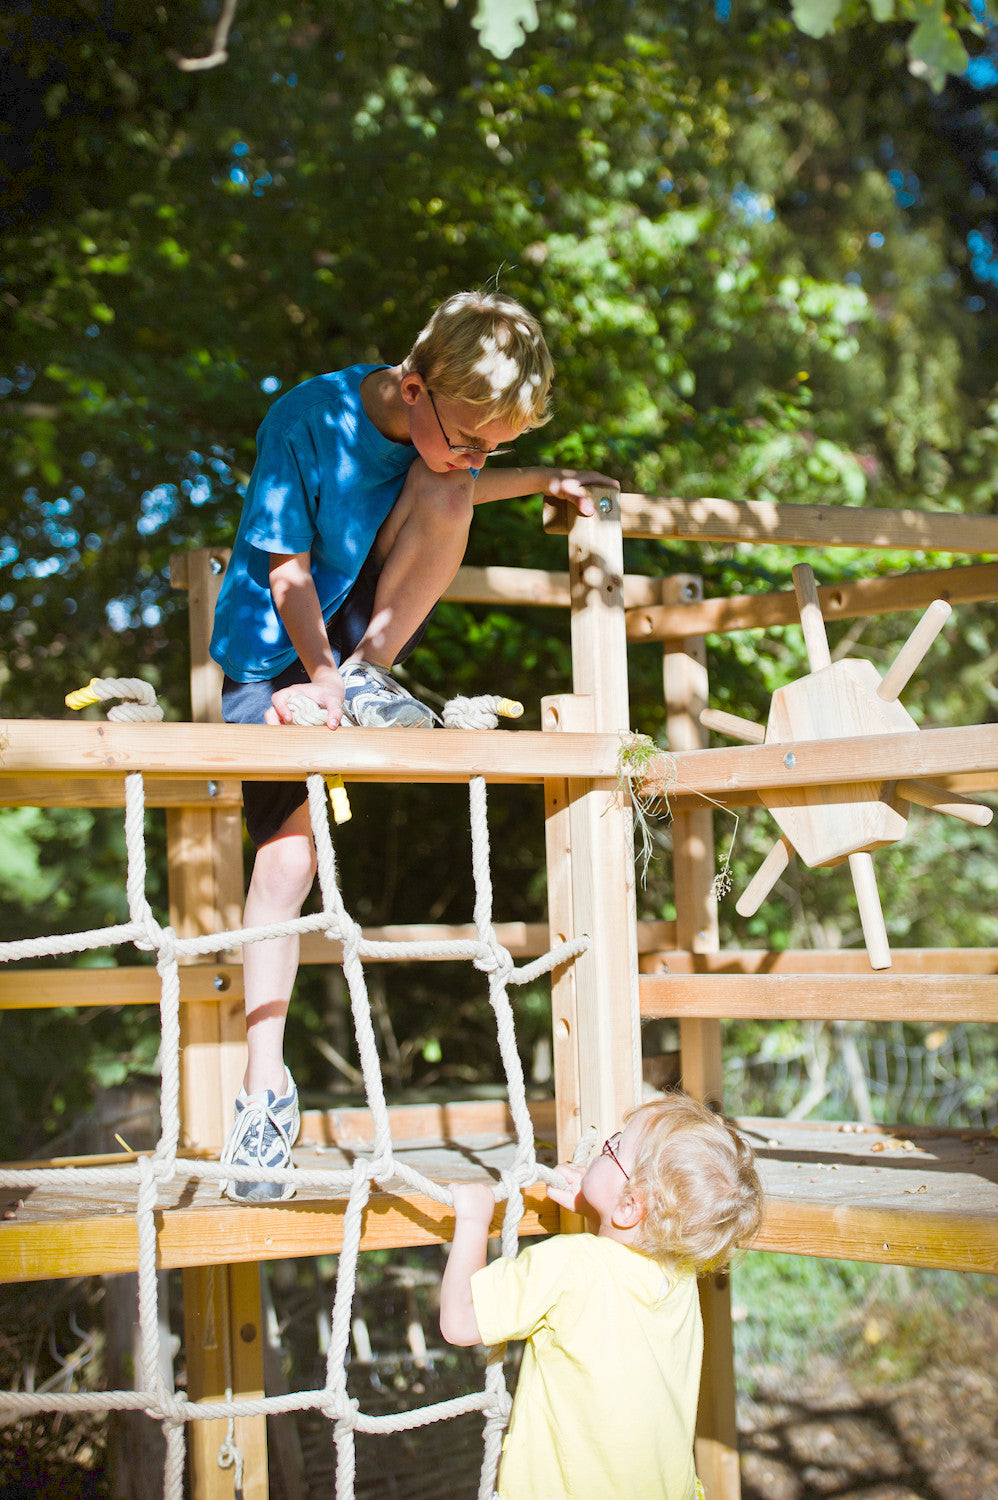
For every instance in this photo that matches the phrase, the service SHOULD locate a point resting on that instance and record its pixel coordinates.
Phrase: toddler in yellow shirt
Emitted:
(607, 1392)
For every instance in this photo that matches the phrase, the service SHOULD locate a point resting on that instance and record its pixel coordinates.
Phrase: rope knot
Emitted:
(496, 960)
(500, 1406)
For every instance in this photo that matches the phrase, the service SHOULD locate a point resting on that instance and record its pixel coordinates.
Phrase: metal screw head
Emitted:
(790, 760)
(605, 505)
(212, 788)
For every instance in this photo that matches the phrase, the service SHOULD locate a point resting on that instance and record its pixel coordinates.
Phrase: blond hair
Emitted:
(486, 349)
(697, 1181)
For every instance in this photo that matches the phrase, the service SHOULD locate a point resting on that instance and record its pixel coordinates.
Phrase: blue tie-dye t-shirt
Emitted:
(324, 480)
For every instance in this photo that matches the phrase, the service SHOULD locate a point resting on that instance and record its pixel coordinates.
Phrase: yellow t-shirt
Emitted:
(606, 1399)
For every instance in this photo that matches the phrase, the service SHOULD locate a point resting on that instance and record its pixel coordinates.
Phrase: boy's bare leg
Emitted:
(422, 542)
(282, 877)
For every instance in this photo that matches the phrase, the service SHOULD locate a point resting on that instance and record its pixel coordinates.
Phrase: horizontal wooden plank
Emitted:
(40, 747)
(83, 1229)
(510, 586)
(826, 961)
(134, 984)
(227, 1232)
(926, 755)
(839, 601)
(880, 996)
(668, 518)
(44, 747)
(522, 939)
(908, 1196)
(902, 1196)
(109, 791)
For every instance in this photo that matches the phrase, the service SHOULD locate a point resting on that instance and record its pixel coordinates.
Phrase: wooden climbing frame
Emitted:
(865, 1208)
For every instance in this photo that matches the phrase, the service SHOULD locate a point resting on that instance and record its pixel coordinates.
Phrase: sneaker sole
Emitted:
(284, 1191)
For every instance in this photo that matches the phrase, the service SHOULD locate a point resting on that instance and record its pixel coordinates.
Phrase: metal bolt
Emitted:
(213, 789)
(605, 505)
(790, 760)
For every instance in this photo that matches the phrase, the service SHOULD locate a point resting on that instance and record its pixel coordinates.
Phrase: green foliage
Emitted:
(934, 45)
(884, 1322)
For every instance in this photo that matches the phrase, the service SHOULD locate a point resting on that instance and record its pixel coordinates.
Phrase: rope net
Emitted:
(151, 1173)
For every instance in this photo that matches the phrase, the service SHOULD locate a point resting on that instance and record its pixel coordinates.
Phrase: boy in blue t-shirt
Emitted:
(355, 521)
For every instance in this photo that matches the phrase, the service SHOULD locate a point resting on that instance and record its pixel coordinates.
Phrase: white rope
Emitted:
(139, 704)
(153, 1173)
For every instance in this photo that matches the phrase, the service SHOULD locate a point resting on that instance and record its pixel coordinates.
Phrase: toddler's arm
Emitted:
(474, 1207)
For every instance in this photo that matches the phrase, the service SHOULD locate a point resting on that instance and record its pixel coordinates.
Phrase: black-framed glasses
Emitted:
(467, 450)
(611, 1153)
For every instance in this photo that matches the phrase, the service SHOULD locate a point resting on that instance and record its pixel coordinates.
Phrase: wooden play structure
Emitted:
(916, 1197)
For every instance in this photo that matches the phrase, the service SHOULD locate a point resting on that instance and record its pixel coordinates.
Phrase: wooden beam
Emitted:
(513, 586)
(42, 747)
(43, 989)
(139, 984)
(903, 1195)
(662, 518)
(109, 791)
(839, 601)
(855, 997)
(826, 961)
(226, 1234)
(930, 754)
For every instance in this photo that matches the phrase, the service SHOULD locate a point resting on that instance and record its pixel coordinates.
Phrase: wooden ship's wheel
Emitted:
(829, 825)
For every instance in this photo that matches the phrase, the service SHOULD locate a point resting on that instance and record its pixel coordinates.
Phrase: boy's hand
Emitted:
(570, 1196)
(474, 1203)
(326, 689)
(570, 484)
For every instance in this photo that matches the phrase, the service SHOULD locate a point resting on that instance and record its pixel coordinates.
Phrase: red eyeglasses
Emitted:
(609, 1151)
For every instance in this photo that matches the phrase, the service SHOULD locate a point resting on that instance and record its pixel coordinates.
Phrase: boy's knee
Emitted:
(439, 500)
(284, 869)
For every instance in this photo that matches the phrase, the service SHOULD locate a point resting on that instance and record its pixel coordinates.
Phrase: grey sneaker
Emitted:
(374, 700)
(262, 1135)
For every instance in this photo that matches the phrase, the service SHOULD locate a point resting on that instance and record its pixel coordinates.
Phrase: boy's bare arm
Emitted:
(474, 1207)
(297, 603)
(566, 484)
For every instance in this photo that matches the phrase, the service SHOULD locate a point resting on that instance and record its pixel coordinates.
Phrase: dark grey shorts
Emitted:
(269, 804)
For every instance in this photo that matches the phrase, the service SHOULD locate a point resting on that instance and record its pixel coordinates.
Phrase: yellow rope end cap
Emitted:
(338, 799)
(508, 708)
(83, 697)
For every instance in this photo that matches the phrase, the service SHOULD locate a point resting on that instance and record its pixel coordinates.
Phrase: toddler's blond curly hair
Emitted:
(697, 1180)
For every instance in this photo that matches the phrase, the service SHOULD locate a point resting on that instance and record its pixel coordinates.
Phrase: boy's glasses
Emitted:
(466, 450)
(609, 1151)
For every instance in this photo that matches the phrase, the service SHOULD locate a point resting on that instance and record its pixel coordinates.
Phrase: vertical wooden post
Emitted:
(590, 854)
(222, 1308)
(684, 674)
